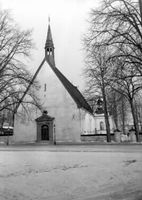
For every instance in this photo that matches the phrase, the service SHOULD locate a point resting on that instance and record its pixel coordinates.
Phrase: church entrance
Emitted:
(44, 132)
(45, 128)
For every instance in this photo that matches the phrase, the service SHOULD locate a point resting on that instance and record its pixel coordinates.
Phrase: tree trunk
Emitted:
(115, 112)
(135, 120)
(106, 115)
(123, 115)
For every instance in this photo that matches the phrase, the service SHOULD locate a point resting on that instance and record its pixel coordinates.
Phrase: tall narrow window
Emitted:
(45, 87)
(48, 51)
(102, 126)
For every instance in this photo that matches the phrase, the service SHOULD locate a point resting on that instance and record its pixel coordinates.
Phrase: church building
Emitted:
(64, 107)
(64, 116)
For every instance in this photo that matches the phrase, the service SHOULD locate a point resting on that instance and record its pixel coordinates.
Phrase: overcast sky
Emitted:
(68, 24)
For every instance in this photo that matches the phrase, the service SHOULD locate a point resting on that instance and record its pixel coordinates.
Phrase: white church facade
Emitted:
(65, 114)
(64, 103)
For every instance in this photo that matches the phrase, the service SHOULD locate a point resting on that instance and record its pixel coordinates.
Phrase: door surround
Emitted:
(45, 128)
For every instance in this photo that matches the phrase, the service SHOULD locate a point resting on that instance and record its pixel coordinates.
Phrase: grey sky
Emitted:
(68, 24)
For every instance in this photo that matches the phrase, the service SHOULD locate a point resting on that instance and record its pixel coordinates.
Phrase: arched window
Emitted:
(48, 51)
(44, 132)
(102, 127)
(51, 51)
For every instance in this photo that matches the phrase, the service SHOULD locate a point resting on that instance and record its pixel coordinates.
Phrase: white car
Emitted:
(7, 126)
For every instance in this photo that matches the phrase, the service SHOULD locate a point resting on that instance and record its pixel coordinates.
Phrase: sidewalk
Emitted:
(93, 147)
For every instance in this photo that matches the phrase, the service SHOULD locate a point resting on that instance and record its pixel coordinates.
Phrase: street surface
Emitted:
(89, 172)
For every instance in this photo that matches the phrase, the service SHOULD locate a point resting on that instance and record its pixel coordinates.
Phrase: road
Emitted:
(83, 172)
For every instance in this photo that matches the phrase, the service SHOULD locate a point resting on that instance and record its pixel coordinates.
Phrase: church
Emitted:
(65, 111)
(64, 107)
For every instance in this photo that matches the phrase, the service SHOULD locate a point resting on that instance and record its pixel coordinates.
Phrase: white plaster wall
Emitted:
(59, 105)
(25, 128)
(92, 124)
(89, 124)
(24, 132)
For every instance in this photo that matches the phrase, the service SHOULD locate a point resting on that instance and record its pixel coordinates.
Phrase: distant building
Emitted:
(96, 124)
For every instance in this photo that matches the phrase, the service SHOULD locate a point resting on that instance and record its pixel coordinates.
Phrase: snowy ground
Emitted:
(41, 174)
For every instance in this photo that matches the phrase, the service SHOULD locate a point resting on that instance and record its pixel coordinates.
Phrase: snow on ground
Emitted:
(44, 175)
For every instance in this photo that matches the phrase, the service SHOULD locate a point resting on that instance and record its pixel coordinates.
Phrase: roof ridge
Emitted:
(73, 90)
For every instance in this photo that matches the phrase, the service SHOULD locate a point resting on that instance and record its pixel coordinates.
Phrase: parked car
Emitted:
(6, 129)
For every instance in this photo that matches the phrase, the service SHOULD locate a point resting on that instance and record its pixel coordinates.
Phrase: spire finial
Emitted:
(49, 19)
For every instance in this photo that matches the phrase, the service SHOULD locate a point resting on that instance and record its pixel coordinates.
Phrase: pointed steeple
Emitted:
(49, 47)
(49, 40)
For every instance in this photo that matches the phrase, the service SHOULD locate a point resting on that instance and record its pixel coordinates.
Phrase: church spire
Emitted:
(49, 46)
(49, 40)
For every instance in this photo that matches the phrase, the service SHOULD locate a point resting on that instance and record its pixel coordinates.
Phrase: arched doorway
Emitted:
(44, 132)
(45, 128)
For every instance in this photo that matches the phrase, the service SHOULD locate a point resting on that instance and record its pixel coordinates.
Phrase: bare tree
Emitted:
(15, 46)
(118, 107)
(97, 73)
(125, 82)
(117, 26)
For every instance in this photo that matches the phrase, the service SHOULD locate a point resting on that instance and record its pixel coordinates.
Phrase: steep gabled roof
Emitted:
(73, 91)
(44, 117)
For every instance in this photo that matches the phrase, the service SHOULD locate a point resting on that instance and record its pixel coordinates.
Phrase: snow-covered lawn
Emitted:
(44, 175)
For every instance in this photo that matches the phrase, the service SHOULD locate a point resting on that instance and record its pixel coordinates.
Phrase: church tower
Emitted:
(49, 48)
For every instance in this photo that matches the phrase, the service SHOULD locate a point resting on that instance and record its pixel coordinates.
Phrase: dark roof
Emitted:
(73, 91)
(44, 117)
(49, 40)
(99, 111)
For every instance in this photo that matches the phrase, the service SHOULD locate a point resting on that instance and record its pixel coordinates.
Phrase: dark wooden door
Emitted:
(44, 132)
